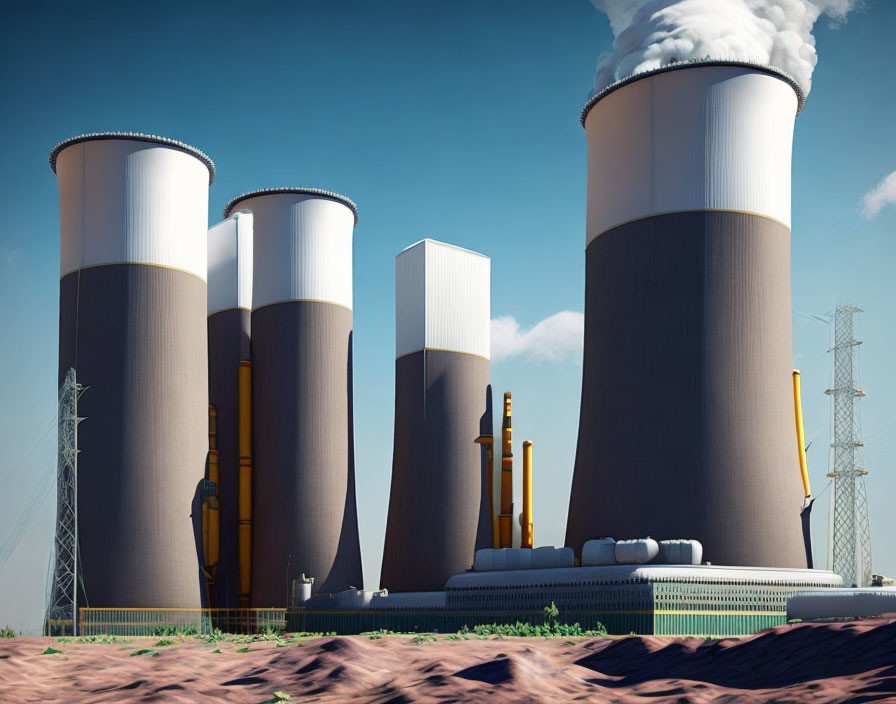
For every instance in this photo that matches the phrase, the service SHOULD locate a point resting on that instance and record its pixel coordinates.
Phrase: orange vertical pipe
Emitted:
(526, 536)
(245, 495)
(505, 518)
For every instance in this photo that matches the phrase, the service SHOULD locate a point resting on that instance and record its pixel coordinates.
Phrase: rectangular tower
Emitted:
(229, 325)
(438, 506)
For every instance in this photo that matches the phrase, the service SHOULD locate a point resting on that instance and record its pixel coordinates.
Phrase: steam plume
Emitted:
(653, 33)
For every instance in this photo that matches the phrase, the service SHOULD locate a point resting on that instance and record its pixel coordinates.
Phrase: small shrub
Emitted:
(424, 638)
(144, 651)
(7, 633)
(172, 630)
(163, 643)
(243, 650)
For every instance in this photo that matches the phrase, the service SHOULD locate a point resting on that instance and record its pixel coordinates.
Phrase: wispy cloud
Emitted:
(879, 197)
(11, 254)
(551, 340)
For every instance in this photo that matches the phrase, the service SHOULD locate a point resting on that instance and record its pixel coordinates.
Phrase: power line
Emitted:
(28, 454)
(29, 512)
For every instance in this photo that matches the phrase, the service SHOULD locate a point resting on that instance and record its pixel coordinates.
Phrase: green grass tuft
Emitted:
(144, 651)
(51, 651)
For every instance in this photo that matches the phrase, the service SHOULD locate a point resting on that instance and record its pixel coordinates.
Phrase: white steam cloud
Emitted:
(653, 33)
(551, 340)
(879, 197)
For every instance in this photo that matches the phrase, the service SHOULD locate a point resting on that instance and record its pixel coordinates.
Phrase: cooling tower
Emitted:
(132, 322)
(438, 506)
(229, 311)
(686, 427)
(304, 515)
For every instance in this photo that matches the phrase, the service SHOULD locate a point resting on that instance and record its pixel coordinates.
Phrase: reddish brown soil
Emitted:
(833, 662)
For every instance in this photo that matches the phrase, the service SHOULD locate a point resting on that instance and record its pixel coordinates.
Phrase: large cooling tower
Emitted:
(132, 322)
(304, 514)
(438, 512)
(686, 427)
(229, 311)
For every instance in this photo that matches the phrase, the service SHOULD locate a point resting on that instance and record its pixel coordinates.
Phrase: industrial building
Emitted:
(132, 322)
(229, 334)
(304, 517)
(637, 586)
(686, 410)
(439, 512)
(218, 468)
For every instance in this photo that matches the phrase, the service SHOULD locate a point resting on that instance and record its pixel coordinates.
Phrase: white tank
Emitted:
(353, 599)
(680, 552)
(636, 552)
(601, 551)
(484, 560)
(548, 556)
(519, 559)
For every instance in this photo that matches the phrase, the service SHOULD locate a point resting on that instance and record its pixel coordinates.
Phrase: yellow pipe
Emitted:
(800, 437)
(489, 442)
(211, 516)
(505, 526)
(526, 537)
(245, 479)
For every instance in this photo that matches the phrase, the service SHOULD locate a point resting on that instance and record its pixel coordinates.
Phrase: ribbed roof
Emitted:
(348, 202)
(134, 137)
(695, 63)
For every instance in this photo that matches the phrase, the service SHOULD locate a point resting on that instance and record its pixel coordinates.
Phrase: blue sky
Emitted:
(457, 121)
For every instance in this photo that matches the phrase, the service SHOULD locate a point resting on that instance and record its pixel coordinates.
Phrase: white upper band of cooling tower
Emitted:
(702, 137)
(302, 246)
(442, 299)
(132, 201)
(230, 263)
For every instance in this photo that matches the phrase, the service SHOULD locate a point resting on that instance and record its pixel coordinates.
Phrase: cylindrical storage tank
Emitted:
(680, 552)
(519, 558)
(305, 590)
(600, 551)
(305, 519)
(132, 322)
(636, 552)
(229, 312)
(686, 423)
(438, 505)
(550, 557)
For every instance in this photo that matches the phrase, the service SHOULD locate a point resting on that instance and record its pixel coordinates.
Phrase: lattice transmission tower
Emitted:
(850, 547)
(62, 600)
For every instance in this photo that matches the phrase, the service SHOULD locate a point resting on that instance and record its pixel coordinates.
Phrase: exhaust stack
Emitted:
(505, 518)
(526, 539)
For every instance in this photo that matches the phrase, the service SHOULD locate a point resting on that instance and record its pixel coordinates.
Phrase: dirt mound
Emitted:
(829, 662)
